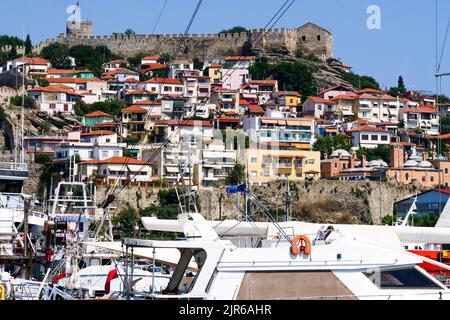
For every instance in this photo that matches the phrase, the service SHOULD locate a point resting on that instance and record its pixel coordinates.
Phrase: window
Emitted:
(167, 89)
(374, 137)
(432, 179)
(254, 160)
(304, 38)
(253, 173)
(446, 170)
(384, 138)
(364, 137)
(424, 179)
(105, 154)
(311, 161)
(401, 279)
(318, 37)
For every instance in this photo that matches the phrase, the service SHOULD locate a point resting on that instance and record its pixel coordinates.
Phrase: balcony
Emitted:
(283, 165)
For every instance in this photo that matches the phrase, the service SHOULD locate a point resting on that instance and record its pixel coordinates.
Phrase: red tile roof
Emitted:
(264, 82)
(343, 97)
(379, 97)
(35, 61)
(227, 119)
(422, 109)
(164, 81)
(255, 109)
(243, 102)
(240, 58)
(98, 133)
(152, 66)
(135, 109)
(54, 89)
(320, 100)
(98, 114)
(287, 93)
(116, 160)
(72, 80)
(152, 58)
(369, 90)
(333, 88)
(64, 71)
(367, 128)
(147, 103)
(187, 122)
(140, 91)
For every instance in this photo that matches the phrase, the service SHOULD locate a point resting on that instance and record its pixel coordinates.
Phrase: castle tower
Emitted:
(76, 27)
(316, 40)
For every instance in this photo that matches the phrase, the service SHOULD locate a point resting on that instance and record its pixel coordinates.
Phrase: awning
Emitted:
(172, 169)
(211, 154)
(117, 167)
(269, 121)
(299, 123)
(137, 168)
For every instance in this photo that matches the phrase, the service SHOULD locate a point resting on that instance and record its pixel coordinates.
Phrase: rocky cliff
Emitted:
(318, 201)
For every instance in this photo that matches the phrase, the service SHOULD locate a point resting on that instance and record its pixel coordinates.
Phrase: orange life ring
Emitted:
(305, 245)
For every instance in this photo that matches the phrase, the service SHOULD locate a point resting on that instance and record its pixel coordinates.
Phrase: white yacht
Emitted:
(326, 262)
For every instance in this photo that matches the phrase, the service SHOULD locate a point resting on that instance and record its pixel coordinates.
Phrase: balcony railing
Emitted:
(13, 166)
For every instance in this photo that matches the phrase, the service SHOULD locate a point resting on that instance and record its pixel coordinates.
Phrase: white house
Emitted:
(320, 108)
(367, 136)
(165, 86)
(425, 118)
(53, 99)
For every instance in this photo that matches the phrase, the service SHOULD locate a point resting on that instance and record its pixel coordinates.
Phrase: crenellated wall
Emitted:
(198, 45)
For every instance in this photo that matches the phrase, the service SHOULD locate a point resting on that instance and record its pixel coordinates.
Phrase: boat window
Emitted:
(400, 279)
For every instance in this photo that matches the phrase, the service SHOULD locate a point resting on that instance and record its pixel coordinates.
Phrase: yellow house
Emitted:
(214, 72)
(289, 100)
(274, 161)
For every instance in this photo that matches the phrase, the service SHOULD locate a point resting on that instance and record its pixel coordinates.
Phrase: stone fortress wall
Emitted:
(206, 45)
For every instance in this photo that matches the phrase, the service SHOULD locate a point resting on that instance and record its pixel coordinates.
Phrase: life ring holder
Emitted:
(301, 244)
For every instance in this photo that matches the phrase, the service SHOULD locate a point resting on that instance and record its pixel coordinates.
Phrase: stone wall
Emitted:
(197, 45)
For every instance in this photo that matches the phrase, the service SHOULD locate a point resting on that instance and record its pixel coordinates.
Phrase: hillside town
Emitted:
(216, 119)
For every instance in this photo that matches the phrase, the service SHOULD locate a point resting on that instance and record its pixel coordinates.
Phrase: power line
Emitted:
(287, 4)
(159, 17)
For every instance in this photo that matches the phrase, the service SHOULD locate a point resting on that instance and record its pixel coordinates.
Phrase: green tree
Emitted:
(129, 32)
(28, 45)
(237, 175)
(293, 76)
(17, 101)
(326, 145)
(360, 82)
(57, 54)
(43, 82)
(445, 124)
(127, 219)
(400, 89)
(236, 29)
(198, 65)
(112, 107)
(380, 152)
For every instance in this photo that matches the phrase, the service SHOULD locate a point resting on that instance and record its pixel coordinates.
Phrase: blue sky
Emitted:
(405, 44)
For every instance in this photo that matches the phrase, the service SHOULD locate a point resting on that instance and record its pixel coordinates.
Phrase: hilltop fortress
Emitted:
(308, 38)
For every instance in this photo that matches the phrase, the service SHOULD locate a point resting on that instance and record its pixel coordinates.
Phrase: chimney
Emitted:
(397, 155)
(363, 161)
(353, 158)
(325, 155)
